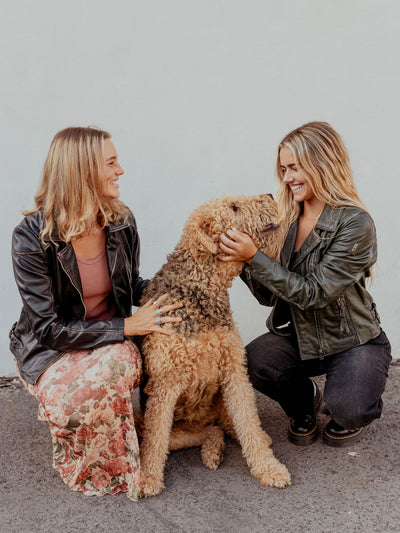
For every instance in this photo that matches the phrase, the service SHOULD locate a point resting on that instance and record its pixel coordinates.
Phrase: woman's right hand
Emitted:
(149, 318)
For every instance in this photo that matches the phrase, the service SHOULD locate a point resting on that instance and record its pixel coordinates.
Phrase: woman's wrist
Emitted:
(251, 255)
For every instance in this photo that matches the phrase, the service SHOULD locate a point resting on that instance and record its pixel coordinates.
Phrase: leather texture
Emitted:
(52, 319)
(331, 309)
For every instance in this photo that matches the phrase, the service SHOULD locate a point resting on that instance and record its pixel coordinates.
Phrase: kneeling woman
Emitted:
(76, 264)
(324, 321)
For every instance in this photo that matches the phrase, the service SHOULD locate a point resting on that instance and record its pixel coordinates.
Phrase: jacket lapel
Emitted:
(288, 246)
(67, 259)
(327, 222)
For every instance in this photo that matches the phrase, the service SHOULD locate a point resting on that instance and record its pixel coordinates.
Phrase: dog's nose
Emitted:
(268, 194)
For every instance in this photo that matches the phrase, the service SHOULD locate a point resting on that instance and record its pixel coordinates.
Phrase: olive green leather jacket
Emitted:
(325, 288)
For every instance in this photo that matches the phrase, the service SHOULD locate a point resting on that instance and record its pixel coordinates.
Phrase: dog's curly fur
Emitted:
(197, 381)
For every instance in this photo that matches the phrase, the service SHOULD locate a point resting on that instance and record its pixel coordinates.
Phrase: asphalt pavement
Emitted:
(348, 490)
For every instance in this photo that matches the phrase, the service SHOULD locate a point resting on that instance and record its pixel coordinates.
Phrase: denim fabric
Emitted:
(355, 378)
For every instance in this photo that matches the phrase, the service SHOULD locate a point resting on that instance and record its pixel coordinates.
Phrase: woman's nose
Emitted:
(287, 177)
(120, 170)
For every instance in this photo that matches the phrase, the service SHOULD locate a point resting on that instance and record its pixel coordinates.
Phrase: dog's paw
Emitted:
(212, 458)
(212, 449)
(150, 485)
(275, 474)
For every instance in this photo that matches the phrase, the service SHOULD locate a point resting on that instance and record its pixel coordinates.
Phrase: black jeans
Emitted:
(355, 379)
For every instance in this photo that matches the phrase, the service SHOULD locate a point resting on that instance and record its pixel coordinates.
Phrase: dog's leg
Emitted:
(212, 450)
(210, 438)
(239, 399)
(158, 419)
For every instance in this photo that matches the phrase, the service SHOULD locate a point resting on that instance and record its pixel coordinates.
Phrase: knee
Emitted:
(264, 374)
(351, 414)
(257, 370)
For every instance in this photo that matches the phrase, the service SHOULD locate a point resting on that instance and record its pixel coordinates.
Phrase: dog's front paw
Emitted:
(275, 474)
(150, 485)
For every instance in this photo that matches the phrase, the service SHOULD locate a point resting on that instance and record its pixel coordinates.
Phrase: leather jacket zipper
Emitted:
(248, 276)
(321, 353)
(344, 328)
(114, 267)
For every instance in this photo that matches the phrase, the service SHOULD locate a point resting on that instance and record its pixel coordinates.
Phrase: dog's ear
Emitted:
(205, 242)
(200, 234)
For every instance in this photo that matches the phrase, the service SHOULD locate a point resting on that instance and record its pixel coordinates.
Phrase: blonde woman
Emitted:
(324, 320)
(76, 264)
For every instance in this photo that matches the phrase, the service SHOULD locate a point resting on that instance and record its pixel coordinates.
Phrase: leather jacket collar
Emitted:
(327, 222)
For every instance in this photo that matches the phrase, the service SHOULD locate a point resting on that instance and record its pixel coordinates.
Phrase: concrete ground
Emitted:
(352, 489)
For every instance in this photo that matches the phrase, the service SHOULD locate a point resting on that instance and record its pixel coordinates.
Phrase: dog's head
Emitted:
(255, 215)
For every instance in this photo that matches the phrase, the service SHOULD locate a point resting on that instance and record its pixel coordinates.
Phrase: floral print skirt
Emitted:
(86, 398)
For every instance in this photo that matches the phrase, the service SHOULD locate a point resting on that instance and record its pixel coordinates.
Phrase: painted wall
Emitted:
(197, 95)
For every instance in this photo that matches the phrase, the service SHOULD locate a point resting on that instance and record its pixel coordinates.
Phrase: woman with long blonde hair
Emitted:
(324, 320)
(76, 265)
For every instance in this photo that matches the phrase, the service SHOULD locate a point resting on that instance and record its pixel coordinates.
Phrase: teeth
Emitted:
(297, 187)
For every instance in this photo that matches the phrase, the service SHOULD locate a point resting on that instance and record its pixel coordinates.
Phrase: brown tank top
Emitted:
(96, 286)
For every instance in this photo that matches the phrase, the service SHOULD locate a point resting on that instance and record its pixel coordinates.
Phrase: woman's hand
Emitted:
(237, 246)
(149, 317)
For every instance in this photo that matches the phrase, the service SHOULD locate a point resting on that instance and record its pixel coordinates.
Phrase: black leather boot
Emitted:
(339, 437)
(304, 431)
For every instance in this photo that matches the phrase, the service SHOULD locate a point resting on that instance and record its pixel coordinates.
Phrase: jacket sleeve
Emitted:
(351, 253)
(35, 285)
(259, 290)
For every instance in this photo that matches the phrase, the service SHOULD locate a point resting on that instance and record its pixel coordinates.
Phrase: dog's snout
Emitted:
(269, 227)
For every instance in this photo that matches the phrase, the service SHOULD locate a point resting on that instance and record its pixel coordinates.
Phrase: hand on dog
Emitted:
(145, 320)
(237, 246)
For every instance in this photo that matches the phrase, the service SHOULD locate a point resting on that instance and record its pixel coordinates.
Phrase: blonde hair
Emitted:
(70, 191)
(321, 153)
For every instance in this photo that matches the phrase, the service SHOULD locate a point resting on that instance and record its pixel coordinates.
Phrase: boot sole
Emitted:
(304, 439)
(342, 442)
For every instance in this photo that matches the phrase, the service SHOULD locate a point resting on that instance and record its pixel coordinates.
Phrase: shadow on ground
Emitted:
(353, 489)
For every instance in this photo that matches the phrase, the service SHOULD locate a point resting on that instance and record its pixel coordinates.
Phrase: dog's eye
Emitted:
(234, 207)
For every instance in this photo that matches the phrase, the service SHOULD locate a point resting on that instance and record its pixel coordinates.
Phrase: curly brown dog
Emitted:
(197, 381)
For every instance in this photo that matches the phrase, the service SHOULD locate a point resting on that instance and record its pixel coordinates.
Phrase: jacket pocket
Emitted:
(341, 311)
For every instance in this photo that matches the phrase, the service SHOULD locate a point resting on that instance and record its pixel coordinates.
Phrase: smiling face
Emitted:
(295, 178)
(111, 172)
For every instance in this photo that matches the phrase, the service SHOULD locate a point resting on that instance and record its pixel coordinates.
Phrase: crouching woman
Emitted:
(76, 264)
(324, 320)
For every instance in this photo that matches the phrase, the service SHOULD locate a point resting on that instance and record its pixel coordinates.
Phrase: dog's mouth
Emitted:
(268, 227)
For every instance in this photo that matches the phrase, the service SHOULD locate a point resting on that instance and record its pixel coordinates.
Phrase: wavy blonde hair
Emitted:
(321, 153)
(70, 191)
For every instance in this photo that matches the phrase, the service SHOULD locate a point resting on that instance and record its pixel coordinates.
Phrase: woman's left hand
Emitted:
(237, 246)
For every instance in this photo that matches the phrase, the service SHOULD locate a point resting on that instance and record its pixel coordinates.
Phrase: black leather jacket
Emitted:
(330, 307)
(52, 319)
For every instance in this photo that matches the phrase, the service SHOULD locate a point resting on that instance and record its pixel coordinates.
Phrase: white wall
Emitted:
(197, 95)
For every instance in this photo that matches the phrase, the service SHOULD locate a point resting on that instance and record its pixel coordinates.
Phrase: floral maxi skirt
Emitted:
(86, 397)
